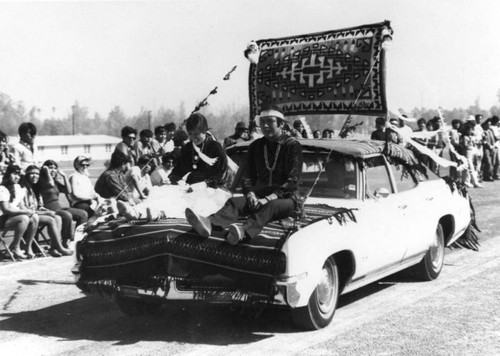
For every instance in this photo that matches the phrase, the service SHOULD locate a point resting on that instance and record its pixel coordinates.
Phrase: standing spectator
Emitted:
(129, 135)
(137, 179)
(478, 140)
(467, 147)
(495, 121)
(53, 181)
(240, 135)
(46, 217)
(440, 145)
(382, 133)
(421, 127)
(455, 133)
(15, 215)
(25, 151)
(488, 151)
(81, 192)
(111, 183)
(161, 173)
(6, 158)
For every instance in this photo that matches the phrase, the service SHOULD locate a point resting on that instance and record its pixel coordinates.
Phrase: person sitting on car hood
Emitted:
(270, 184)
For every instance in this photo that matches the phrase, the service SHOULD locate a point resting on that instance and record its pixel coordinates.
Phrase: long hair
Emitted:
(6, 182)
(30, 187)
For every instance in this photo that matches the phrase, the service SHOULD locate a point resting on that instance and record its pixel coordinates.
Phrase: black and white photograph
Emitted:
(250, 177)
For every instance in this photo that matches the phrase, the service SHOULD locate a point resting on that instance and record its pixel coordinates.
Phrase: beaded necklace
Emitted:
(273, 167)
(196, 157)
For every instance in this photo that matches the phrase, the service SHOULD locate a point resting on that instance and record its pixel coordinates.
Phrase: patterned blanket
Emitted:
(119, 243)
(334, 72)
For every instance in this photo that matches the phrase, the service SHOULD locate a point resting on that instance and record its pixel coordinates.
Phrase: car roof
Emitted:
(360, 149)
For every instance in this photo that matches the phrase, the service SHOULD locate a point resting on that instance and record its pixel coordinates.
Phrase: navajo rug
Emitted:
(333, 72)
(126, 242)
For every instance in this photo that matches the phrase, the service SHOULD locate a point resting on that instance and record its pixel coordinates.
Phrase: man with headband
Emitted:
(270, 184)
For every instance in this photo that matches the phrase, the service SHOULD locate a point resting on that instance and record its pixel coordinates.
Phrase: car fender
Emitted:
(306, 252)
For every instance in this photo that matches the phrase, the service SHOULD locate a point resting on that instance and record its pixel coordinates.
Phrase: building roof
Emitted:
(71, 140)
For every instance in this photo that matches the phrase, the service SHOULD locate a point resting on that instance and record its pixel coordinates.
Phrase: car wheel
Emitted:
(321, 306)
(134, 307)
(430, 267)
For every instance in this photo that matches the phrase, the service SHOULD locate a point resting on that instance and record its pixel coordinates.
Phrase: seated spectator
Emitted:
(53, 181)
(144, 145)
(240, 135)
(81, 191)
(6, 158)
(111, 183)
(46, 217)
(137, 178)
(129, 135)
(161, 173)
(25, 151)
(255, 131)
(316, 134)
(327, 134)
(180, 138)
(203, 158)
(15, 215)
(299, 127)
(161, 144)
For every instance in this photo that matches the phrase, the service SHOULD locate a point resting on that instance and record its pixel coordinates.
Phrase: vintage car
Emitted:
(371, 209)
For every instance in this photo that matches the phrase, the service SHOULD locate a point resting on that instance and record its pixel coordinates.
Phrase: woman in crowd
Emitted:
(53, 181)
(46, 217)
(82, 193)
(6, 158)
(15, 215)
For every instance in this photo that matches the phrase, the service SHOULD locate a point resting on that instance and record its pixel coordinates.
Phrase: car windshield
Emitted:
(337, 178)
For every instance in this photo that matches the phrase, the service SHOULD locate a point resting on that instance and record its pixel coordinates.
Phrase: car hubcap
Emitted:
(437, 251)
(327, 289)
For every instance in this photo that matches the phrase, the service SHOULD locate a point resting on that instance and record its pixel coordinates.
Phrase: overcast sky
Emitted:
(151, 54)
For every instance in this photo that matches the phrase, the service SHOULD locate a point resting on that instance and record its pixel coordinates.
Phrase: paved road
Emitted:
(42, 312)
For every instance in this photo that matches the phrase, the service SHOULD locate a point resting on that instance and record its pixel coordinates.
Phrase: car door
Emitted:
(414, 202)
(380, 220)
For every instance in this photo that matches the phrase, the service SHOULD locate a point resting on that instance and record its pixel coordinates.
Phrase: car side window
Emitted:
(378, 182)
(403, 177)
(336, 180)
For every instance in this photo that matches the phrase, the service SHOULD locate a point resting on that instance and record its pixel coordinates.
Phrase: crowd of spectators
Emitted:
(472, 144)
(30, 191)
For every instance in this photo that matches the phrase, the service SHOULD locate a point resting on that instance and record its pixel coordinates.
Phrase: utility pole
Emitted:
(73, 119)
(149, 119)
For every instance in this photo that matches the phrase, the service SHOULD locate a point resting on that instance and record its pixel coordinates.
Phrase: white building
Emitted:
(67, 147)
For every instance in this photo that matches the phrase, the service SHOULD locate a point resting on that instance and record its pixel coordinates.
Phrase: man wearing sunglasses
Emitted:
(270, 184)
(129, 135)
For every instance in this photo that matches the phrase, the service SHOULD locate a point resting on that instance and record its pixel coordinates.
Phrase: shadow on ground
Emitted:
(99, 319)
